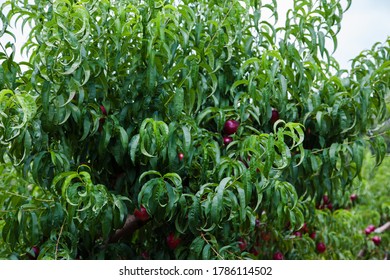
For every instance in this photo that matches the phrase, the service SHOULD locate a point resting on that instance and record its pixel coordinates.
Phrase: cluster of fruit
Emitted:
(230, 127)
(266, 237)
(172, 240)
(326, 203)
(376, 239)
(320, 246)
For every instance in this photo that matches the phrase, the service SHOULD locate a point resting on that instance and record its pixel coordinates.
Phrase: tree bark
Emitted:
(131, 224)
(383, 228)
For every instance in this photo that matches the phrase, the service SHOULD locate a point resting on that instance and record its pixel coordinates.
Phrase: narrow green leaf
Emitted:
(196, 246)
(194, 215)
(133, 147)
(333, 153)
(187, 139)
(124, 138)
(217, 202)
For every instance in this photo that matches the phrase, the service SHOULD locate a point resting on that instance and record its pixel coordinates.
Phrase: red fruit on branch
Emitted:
(278, 256)
(34, 253)
(254, 252)
(181, 156)
(173, 241)
(36, 250)
(369, 229)
(325, 199)
(102, 120)
(266, 236)
(377, 240)
(145, 255)
(242, 244)
(101, 123)
(227, 140)
(244, 162)
(298, 234)
(321, 206)
(304, 228)
(321, 247)
(274, 116)
(353, 197)
(231, 127)
(103, 109)
(313, 235)
(141, 214)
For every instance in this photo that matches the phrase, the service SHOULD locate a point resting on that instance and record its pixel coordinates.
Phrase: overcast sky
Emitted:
(366, 22)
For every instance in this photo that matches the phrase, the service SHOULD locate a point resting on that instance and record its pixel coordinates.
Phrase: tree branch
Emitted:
(383, 228)
(132, 223)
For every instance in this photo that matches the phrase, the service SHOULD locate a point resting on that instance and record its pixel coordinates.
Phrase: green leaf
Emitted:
(206, 252)
(333, 150)
(121, 207)
(150, 172)
(35, 229)
(178, 102)
(187, 139)
(217, 202)
(133, 147)
(28, 106)
(106, 221)
(196, 246)
(358, 154)
(380, 146)
(194, 215)
(86, 128)
(124, 138)
(243, 202)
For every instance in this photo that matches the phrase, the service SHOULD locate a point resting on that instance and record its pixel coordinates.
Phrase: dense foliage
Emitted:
(122, 109)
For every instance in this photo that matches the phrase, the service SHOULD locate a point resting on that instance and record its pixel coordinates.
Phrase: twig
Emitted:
(132, 223)
(383, 228)
(212, 248)
(27, 197)
(361, 253)
(58, 240)
(23, 210)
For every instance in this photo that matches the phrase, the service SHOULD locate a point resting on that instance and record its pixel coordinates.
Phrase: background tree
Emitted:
(188, 129)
